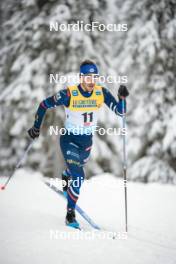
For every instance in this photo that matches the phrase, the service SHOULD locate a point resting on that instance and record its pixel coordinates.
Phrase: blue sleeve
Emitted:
(112, 103)
(61, 98)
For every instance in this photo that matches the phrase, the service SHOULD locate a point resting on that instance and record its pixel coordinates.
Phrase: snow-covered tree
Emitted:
(147, 54)
(29, 53)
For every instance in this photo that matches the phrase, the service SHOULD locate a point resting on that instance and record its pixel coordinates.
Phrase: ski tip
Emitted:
(97, 227)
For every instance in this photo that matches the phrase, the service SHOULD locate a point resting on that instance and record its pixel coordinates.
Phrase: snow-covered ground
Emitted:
(32, 214)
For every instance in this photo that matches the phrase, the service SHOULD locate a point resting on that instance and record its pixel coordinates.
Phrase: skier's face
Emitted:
(89, 81)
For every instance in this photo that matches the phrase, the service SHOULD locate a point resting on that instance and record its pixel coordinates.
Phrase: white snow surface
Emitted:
(30, 211)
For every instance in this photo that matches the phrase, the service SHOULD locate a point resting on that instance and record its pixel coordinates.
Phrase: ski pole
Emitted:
(18, 164)
(124, 162)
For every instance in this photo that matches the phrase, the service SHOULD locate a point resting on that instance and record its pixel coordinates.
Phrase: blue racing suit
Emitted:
(75, 148)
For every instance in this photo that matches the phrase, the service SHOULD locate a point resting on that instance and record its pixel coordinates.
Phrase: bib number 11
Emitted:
(88, 117)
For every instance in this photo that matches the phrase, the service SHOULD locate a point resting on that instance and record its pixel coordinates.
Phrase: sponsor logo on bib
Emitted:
(74, 92)
(84, 103)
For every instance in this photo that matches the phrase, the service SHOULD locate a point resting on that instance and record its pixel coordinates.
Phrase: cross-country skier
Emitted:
(82, 103)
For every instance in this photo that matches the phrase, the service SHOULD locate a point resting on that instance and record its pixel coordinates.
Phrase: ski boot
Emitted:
(70, 219)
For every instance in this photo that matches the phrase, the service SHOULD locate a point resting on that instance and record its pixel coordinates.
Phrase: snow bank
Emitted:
(30, 211)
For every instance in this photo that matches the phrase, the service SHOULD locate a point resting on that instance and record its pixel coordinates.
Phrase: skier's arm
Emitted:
(61, 98)
(112, 103)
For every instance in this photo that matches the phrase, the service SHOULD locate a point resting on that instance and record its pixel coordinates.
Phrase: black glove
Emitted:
(34, 132)
(123, 91)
